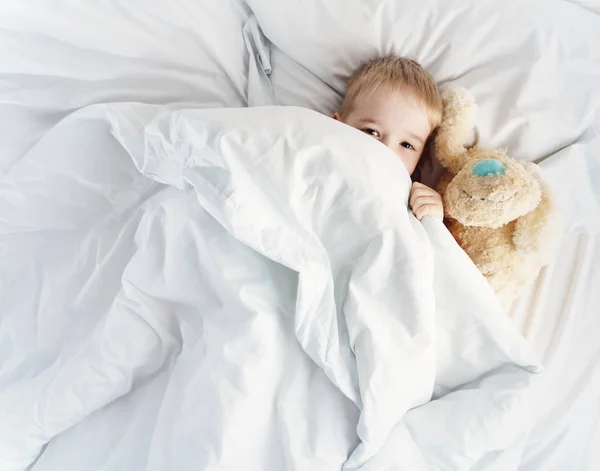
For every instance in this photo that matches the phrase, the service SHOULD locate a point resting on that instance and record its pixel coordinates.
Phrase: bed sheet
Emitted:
(558, 314)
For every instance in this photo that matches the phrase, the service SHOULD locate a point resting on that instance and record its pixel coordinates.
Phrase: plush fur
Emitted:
(504, 220)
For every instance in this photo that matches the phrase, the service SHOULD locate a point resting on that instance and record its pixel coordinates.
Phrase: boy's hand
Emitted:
(424, 200)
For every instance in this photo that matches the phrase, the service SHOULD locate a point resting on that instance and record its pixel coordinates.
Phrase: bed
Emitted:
(87, 92)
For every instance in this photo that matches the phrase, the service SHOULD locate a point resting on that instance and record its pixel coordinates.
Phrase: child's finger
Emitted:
(419, 194)
(419, 188)
(421, 200)
(429, 209)
(424, 192)
(422, 211)
(419, 191)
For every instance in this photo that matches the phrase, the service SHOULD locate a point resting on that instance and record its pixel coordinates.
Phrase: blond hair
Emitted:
(401, 74)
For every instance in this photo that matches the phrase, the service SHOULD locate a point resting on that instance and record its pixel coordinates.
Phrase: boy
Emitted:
(397, 102)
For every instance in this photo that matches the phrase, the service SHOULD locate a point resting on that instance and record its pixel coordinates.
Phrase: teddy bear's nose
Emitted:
(488, 167)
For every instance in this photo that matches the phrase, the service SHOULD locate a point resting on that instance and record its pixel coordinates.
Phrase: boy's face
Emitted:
(393, 118)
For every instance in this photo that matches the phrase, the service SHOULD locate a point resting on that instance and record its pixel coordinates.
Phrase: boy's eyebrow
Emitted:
(368, 120)
(418, 138)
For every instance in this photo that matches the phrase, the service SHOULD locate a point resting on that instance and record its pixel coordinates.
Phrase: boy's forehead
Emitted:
(392, 104)
(386, 94)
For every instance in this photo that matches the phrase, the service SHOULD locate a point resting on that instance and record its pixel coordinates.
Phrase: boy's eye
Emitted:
(407, 145)
(371, 132)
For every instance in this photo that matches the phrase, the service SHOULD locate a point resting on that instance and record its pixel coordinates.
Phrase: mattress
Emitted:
(533, 68)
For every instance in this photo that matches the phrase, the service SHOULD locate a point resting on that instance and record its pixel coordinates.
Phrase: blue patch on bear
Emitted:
(488, 167)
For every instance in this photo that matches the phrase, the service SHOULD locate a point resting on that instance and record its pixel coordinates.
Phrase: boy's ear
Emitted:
(337, 116)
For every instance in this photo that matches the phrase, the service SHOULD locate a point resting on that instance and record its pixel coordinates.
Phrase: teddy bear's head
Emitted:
(487, 187)
(491, 189)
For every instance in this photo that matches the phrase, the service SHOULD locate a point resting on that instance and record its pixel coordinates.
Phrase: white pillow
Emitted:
(533, 66)
(62, 55)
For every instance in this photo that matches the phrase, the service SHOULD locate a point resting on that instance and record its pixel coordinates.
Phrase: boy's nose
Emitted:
(488, 167)
(389, 143)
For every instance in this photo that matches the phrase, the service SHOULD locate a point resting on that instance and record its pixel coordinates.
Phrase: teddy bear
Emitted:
(498, 209)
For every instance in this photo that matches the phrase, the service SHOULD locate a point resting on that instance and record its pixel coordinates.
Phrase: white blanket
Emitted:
(274, 306)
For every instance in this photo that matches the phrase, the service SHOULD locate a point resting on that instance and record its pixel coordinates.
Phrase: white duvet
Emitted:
(274, 288)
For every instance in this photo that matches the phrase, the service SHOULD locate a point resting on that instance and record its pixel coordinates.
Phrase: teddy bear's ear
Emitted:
(455, 129)
(537, 232)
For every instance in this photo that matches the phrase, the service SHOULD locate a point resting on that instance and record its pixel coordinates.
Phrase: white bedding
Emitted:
(534, 69)
(370, 293)
(59, 57)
